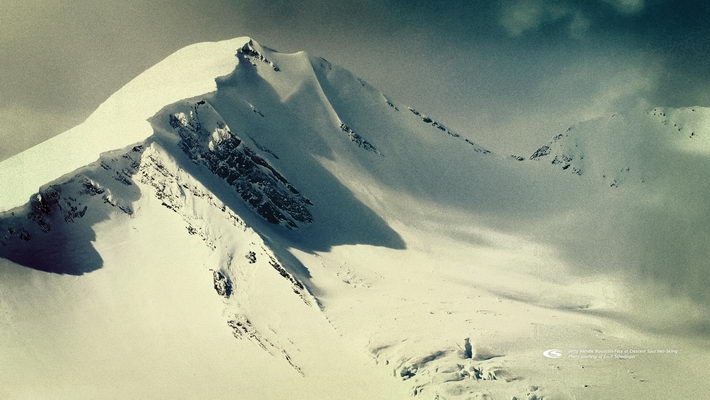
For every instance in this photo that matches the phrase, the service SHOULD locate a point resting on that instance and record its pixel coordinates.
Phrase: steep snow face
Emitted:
(285, 230)
(119, 121)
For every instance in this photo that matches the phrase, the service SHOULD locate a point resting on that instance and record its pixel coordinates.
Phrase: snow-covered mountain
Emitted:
(631, 148)
(242, 223)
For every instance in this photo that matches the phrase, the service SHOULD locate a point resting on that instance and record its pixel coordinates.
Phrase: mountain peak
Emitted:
(188, 72)
(253, 53)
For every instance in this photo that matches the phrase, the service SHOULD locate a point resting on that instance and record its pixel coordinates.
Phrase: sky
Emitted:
(508, 74)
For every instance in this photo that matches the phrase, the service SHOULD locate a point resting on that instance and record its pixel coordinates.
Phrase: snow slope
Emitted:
(268, 225)
(119, 121)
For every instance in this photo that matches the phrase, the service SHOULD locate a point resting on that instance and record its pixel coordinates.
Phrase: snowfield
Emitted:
(239, 223)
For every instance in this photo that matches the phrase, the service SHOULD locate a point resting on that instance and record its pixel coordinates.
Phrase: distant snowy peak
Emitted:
(628, 148)
(686, 122)
(564, 151)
